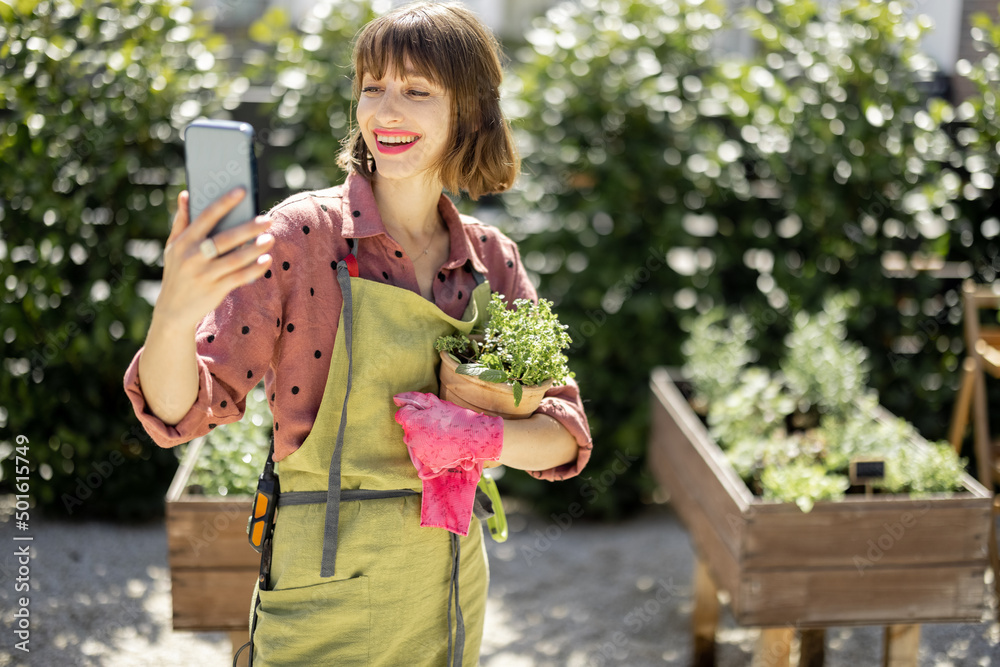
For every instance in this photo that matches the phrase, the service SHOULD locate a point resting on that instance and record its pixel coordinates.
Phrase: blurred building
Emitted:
(507, 18)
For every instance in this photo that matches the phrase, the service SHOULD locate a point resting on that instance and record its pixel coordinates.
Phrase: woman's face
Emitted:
(405, 120)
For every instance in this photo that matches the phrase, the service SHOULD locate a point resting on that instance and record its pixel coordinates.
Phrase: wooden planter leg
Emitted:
(901, 645)
(812, 647)
(239, 638)
(705, 616)
(963, 405)
(774, 648)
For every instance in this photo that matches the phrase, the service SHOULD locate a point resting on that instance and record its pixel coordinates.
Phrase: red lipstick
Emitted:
(409, 139)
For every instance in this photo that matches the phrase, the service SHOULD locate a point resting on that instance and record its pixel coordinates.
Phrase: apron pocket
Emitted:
(322, 624)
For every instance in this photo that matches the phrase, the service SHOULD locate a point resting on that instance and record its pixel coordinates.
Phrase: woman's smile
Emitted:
(393, 142)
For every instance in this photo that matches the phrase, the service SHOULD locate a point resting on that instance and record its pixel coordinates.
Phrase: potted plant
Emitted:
(506, 369)
(756, 464)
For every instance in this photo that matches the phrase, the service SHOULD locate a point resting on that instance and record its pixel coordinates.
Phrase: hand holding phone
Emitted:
(219, 213)
(219, 208)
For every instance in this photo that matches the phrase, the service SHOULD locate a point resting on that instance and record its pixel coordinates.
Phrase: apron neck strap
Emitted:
(480, 278)
(329, 561)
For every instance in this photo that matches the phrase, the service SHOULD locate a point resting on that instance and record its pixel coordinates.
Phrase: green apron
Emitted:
(354, 578)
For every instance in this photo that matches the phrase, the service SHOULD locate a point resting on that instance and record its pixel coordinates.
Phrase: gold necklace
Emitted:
(428, 248)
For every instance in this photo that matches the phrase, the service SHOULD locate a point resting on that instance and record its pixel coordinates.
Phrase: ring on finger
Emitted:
(208, 248)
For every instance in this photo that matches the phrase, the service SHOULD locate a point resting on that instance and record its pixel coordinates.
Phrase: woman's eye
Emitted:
(370, 89)
(419, 93)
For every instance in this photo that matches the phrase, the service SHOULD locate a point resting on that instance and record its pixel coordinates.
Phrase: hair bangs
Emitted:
(406, 47)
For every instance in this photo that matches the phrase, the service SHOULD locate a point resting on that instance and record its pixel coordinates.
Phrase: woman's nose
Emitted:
(389, 109)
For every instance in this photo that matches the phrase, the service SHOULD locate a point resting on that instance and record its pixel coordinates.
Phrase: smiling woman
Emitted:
(451, 53)
(338, 307)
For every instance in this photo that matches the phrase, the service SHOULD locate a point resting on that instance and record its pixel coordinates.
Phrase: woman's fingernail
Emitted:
(236, 192)
(263, 259)
(264, 239)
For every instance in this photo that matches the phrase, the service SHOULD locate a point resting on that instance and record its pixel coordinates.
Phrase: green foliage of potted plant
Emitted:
(792, 434)
(507, 369)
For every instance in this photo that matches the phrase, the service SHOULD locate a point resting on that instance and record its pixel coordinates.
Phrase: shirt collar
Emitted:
(359, 212)
(361, 219)
(461, 250)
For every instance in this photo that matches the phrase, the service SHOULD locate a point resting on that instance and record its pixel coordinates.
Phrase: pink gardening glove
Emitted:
(447, 445)
(448, 499)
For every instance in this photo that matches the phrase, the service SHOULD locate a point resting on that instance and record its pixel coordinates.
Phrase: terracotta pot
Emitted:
(490, 398)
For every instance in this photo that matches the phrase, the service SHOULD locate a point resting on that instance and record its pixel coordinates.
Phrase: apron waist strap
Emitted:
(482, 509)
(316, 497)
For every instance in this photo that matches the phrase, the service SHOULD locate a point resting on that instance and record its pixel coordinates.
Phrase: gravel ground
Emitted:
(559, 593)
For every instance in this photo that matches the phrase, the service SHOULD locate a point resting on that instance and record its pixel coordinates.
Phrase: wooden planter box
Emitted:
(887, 560)
(213, 568)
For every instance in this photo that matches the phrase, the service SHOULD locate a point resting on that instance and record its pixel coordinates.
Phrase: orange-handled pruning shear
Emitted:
(265, 501)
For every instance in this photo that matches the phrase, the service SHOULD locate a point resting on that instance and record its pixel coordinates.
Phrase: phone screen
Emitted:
(219, 156)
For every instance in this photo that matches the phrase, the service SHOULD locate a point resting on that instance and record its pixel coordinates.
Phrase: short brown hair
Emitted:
(449, 45)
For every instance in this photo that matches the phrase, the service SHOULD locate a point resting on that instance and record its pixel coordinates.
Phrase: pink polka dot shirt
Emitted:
(282, 327)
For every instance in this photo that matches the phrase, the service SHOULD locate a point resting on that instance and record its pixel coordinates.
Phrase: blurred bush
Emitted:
(665, 176)
(92, 97)
(964, 192)
(307, 69)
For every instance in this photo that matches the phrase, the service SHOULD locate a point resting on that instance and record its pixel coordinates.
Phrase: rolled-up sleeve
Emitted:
(193, 424)
(565, 406)
(234, 346)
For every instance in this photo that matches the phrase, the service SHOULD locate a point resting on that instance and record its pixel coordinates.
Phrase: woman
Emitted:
(362, 572)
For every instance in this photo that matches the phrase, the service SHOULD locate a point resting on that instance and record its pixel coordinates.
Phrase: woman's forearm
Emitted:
(537, 443)
(168, 370)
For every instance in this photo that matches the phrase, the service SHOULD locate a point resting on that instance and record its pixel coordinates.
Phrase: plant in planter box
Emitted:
(754, 409)
(520, 347)
(723, 352)
(802, 483)
(791, 435)
(821, 365)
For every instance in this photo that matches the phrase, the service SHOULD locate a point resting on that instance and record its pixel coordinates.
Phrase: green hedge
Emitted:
(965, 191)
(664, 177)
(92, 96)
(308, 70)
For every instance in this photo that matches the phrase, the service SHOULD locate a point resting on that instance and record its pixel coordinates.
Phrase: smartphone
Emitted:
(219, 156)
